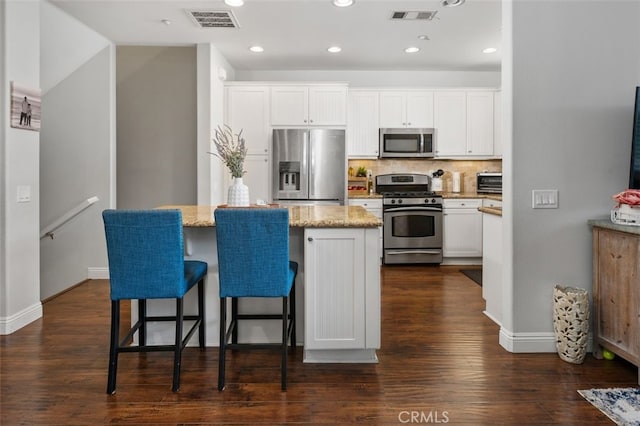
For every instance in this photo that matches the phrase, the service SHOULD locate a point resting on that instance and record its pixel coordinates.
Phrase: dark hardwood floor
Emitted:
(440, 361)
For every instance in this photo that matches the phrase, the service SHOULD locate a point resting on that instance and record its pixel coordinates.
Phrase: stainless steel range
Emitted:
(412, 219)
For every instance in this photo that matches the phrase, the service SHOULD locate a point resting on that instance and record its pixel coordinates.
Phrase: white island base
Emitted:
(337, 287)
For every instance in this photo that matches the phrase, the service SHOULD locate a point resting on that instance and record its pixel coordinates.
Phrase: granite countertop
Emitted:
(497, 211)
(496, 197)
(364, 196)
(607, 224)
(299, 216)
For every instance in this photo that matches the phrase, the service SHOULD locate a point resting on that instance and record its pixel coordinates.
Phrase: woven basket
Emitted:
(571, 323)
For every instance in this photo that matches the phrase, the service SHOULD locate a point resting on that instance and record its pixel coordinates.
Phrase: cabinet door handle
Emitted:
(309, 239)
(408, 124)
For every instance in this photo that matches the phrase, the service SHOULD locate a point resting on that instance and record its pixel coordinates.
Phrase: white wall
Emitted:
(574, 75)
(78, 138)
(19, 226)
(212, 183)
(368, 78)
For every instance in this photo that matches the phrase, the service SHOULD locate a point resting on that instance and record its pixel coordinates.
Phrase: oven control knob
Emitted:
(433, 200)
(426, 201)
(399, 201)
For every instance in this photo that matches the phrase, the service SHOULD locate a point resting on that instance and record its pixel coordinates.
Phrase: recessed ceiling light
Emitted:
(452, 3)
(343, 3)
(423, 37)
(412, 49)
(334, 49)
(256, 49)
(234, 3)
(489, 50)
(166, 22)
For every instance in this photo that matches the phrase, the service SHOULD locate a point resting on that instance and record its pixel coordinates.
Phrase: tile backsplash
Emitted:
(468, 168)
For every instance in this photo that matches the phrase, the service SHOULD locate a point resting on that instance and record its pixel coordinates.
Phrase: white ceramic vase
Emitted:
(238, 195)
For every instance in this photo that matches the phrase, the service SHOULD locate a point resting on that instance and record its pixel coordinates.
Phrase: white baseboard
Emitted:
(462, 261)
(527, 342)
(18, 320)
(98, 273)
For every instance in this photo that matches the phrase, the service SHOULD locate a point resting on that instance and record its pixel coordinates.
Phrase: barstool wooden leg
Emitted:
(113, 347)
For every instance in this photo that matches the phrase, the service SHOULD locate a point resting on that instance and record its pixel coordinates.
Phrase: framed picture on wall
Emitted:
(25, 107)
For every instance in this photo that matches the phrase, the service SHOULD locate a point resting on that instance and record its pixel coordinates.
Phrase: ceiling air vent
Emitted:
(426, 15)
(213, 18)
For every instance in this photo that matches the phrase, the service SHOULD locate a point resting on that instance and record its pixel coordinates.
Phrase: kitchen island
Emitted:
(337, 287)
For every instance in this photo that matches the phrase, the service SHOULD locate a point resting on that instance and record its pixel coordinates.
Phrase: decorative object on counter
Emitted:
(232, 151)
(627, 211)
(436, 180)
(457, 182)
(361, 172)
(369, 182)
(357, 186)
(571, 323)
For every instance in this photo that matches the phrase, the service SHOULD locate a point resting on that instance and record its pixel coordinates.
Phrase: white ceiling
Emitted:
(296, 33)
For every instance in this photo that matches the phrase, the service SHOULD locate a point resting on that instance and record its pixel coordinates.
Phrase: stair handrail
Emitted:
(48, 230)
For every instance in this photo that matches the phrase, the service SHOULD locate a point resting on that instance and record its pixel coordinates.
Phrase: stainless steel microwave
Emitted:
(407, 143)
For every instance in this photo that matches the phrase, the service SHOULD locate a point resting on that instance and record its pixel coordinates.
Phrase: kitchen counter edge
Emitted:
(496, 211)
(607, 224)
(299, 216)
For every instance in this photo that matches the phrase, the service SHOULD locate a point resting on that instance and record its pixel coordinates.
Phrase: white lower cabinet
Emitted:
(373, 206)
(462, 228)
(342, 294)
(492, 266)
(257, 177)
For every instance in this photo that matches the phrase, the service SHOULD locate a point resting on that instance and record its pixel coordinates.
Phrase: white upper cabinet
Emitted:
(248, 110)
(405, 108)
(450, 119)
(480, 123)
(464, 122)
(362, 124)
(309, 105)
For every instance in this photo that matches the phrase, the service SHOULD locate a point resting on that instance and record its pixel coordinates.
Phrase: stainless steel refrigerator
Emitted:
(309, 166)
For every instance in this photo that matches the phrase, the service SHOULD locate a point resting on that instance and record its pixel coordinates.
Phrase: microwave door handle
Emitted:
(421, 143)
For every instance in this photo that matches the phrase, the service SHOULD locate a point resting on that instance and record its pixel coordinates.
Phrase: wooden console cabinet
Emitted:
(616, 290)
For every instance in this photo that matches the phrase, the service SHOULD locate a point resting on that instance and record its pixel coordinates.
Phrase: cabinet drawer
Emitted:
(466, 203)
(367, 203)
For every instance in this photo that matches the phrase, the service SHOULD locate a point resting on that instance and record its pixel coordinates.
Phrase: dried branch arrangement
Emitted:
(231, 149)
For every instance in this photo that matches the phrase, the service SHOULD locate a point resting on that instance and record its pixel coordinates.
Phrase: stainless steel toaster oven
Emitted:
(489, 182)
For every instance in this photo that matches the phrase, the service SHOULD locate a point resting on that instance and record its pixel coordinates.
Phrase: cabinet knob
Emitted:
(309, 239)
(310, 121)
(408, 124)
(304, 121)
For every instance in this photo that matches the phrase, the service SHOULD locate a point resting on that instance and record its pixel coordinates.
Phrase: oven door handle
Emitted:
(391, 252)
(413, 209)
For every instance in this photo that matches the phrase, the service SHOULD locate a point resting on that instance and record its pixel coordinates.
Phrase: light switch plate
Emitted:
(544, 198)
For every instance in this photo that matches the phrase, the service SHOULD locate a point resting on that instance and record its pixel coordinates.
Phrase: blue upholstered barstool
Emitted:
(146, 261)
(253, 261)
